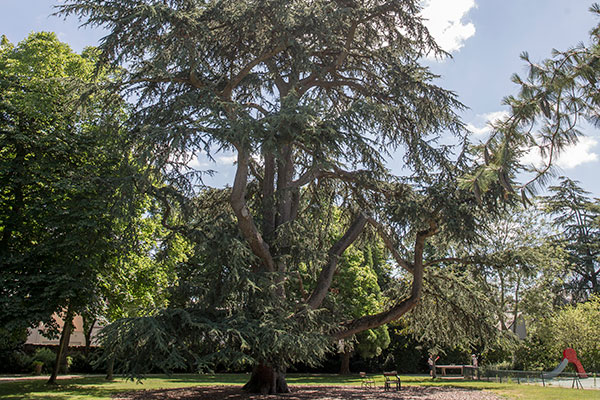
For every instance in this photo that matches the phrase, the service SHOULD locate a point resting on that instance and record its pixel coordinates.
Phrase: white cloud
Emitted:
(483, 120)
(199, 161)
(195, 162)
(569, 158)
(445, 19)
(226, 159)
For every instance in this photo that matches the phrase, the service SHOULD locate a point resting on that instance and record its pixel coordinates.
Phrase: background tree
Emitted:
(577, 217)
(519, 266)
(66, 185)
(356, 289)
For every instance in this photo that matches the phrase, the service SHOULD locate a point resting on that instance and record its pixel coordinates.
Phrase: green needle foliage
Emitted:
(312, 97)
(577, 218)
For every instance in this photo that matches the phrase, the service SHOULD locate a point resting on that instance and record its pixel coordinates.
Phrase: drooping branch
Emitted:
(459, 260)
(373, 321)
(245, 221)
(163, 194)
(326, 275)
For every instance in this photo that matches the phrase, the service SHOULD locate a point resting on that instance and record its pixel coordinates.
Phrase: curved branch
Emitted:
(235, 80)
(373, 321)
(308, 82)
(245, 221)
(326, 275)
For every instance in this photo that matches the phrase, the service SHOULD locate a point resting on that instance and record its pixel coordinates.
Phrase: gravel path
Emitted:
(312, 393)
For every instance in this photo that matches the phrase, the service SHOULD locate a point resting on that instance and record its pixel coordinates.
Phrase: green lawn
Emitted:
(96, 388)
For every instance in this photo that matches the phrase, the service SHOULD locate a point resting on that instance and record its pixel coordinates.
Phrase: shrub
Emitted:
(19, 361)
(47, 356)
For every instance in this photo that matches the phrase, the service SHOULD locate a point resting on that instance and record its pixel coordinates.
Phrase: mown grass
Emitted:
(96, 388)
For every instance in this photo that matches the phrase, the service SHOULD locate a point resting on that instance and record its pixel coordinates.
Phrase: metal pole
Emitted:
(543, 381)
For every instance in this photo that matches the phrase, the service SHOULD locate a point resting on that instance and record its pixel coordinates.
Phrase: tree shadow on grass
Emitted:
(66, 389)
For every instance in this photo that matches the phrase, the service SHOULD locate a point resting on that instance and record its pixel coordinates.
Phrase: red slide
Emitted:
(571, 356)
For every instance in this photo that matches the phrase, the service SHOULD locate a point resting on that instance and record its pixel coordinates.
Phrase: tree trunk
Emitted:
(345, 362)
(266, 380)
(516, 308)
(88, 336)
(63, 346)
(110, 369)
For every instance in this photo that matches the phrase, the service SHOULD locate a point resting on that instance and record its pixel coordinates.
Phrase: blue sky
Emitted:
(485, 38)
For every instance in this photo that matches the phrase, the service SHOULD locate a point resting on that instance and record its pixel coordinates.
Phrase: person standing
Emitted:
(431, 363)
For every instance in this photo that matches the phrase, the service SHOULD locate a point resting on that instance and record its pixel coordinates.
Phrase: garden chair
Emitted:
(391, 378)
(366, 382)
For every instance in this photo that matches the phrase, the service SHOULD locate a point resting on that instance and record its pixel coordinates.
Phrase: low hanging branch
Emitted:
(373, 321)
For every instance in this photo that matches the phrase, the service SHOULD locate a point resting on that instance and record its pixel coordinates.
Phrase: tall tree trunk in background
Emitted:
(502, 315)
(110, 369)
(516, 308)
(87, 332)
(345, 362)
(63, 346)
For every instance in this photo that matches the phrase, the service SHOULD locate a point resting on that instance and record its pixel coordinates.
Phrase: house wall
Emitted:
(36, 336)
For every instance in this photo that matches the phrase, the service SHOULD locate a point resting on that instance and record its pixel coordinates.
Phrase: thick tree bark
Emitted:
(268, 196)
(65, 337)
(345, 362)
(267, 380)
(285, 173)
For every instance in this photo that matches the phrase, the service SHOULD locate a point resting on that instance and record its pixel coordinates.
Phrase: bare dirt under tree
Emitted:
(312, 393)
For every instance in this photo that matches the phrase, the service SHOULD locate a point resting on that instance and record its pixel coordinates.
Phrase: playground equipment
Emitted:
(569, 356)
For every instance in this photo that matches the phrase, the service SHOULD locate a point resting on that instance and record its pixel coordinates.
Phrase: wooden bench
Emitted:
(366, 382)
(391, 378)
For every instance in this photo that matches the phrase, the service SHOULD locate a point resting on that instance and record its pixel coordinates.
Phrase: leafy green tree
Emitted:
(577, 217)
(577, 326)
(66, 185)
(357, 291)
(311, 96)
(520, 267)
